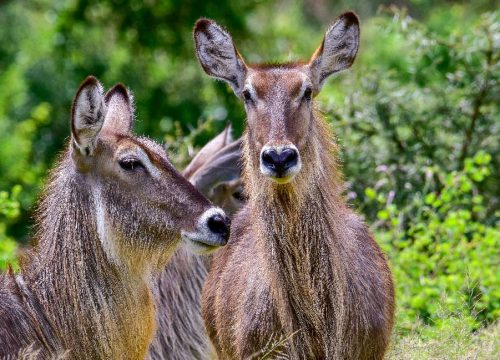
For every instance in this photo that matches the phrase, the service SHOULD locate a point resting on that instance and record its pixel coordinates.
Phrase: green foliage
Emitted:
(416, 99)
(9, 210)
(445, 258)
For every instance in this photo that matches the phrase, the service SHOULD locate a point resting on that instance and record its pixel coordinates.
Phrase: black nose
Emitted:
(219, 224)
(280, 163)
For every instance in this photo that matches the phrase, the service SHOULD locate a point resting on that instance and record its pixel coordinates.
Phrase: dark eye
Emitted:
(308, 94)
(130, 164)
(238, 195)
(246, 95)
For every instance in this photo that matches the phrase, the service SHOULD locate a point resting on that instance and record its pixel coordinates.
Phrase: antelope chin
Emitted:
(196, 245)
(281, 179)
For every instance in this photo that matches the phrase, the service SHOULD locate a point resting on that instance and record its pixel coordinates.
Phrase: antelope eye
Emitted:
(308, 94)
(130, 164)
(246, 95)
(238, 195)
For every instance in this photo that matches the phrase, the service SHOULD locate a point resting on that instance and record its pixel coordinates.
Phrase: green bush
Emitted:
(419, 98)
(9, 210)
(445, 257)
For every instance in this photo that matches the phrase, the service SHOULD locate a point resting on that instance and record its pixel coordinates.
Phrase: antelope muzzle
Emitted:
(280, 163)
(212, 231)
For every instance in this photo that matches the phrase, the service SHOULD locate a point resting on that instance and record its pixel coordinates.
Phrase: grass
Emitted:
(451, 342)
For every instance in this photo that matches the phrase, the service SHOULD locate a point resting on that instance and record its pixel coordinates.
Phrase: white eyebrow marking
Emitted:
(146, 162)
(305, 83)
(153, 170)
(248, 86)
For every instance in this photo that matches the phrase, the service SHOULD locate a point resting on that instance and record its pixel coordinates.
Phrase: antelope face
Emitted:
(277, 98)
(278, 103)
(162, 203)
(143, 205)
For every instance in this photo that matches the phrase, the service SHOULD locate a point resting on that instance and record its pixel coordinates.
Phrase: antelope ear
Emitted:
(120, 110)
(87, 115)
(222, 167)
(207, 151)
(218, 55)
(338, 49)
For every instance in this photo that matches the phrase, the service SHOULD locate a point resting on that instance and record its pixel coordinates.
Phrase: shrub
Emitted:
(419, 98)
(9, 210)
(445, 257)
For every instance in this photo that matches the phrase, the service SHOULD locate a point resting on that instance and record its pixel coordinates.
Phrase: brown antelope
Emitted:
(216, 172)
(301, 275)
(114, 211)
(181, 334)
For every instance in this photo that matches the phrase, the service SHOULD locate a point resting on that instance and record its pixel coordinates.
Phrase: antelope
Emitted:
(301, 276)
(216, 172)
(113, 212)
(181, 334)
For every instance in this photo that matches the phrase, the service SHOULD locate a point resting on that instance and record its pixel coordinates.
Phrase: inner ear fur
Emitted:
(120, 110)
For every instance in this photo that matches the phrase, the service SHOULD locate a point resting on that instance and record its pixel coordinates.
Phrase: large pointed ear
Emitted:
(207, 151)
(338, 49)
(218, 55)
(87, 115)
(119, 117)
(223, 167)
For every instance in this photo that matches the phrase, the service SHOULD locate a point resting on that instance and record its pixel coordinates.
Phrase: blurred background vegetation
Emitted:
(417, 119)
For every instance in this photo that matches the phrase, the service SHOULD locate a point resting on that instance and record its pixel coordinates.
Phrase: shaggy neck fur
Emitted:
(95, 308)
(300, 230)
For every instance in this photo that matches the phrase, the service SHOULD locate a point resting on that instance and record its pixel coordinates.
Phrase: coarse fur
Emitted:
(301, 277)
(112, 213)
(215, 171)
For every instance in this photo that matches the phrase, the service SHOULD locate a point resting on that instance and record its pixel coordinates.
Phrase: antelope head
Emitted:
(143, 206)
(216, 172)
(278, 98)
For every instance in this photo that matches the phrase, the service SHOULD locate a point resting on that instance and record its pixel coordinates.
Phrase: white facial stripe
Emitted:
(249, 87)
(248, 82)
(305, 84)
(103, 232)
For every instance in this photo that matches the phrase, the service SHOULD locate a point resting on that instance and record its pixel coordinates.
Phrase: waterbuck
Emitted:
(113, 212)
(301, 276)
(181, 334)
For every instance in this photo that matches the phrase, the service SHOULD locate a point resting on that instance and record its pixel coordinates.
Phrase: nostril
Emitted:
(219, 224)
(280, 162)
(269, 158)
(288, 158)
